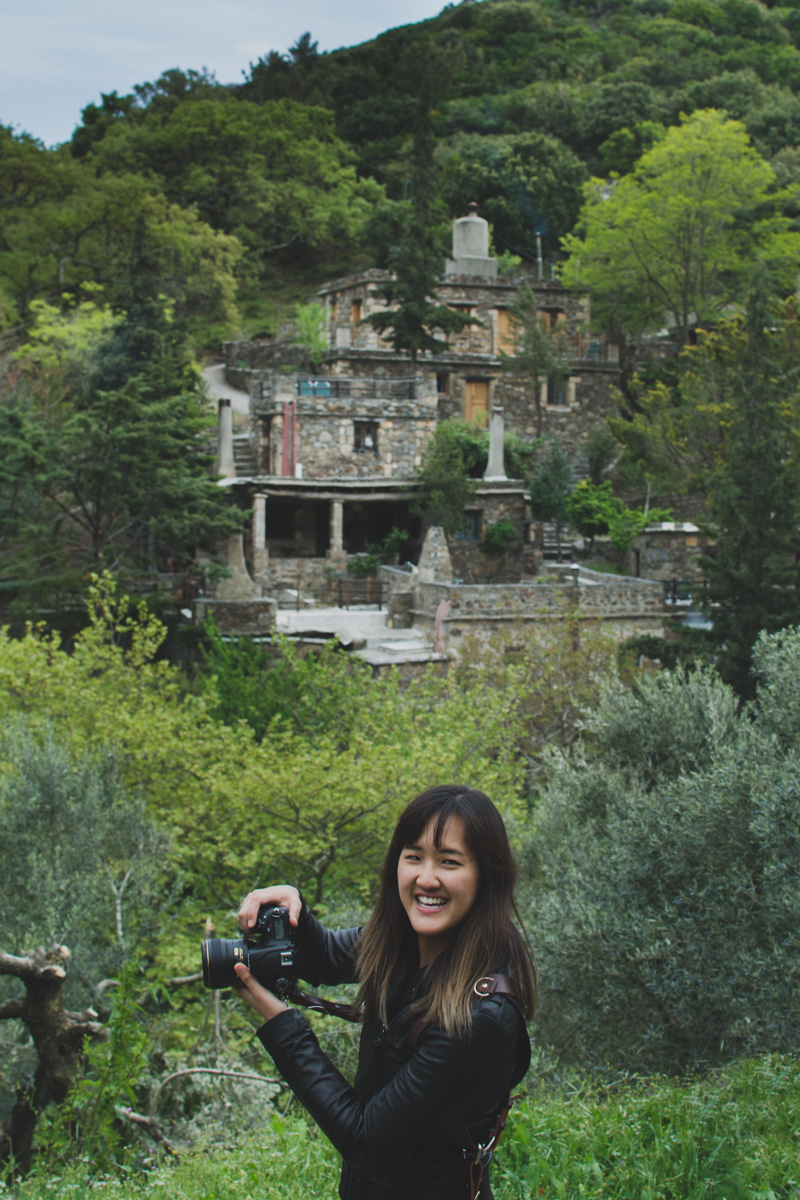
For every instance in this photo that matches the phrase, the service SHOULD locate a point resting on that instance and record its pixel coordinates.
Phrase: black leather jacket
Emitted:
(390, 1128)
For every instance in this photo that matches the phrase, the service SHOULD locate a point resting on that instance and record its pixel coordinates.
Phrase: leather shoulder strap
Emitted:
(489, 985)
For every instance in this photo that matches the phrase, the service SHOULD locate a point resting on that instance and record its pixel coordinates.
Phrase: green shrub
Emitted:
(501, 535)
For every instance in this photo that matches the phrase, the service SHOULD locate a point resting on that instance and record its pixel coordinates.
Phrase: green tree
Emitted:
(678, 239)
(84, 875)
(590, 508)
(274, 175)
(447, 478)
(526, 184)
(754, 492)
(549, 484)
(311, 331)
(63, 227)
(539, 354)
(104, 451)
(416, 258)
(666, 918)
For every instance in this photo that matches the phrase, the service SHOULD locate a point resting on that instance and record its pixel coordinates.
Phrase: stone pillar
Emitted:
(496, 469)
(434, 560)
(337, 527)
(225, 464)
(260, 551)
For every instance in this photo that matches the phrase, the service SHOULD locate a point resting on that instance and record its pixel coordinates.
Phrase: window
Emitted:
(556, 392)
(552, 318)
(357, 306)
(316, 387)
(442, 383)
(365, 436)
(470, 531)
(506, 332)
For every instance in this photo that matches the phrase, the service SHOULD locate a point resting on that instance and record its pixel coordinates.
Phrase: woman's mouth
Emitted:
(431, 903)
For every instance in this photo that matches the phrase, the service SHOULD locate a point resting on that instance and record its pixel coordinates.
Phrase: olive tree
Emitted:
(667, 858)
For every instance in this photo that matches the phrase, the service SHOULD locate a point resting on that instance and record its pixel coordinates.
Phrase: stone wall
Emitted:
(626, 605)
(336, 416)
(669, 551)
(242, 618)
(472, 559)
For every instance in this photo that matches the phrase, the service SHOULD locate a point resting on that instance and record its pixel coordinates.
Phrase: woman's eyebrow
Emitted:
(440, 850)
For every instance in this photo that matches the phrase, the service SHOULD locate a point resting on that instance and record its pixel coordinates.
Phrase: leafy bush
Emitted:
(501, 534)
(668, 908)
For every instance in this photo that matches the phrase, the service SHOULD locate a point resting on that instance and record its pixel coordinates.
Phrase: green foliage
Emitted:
(312, 331)
(601, 450)
(593, 509)
(753, 495)
(416, 257)
(378, 553)
(590, 507)
(63, 227)
(271, 174)
(539, 354)
(323, 807)
(728, 428)
(104, 450)
(500, 535)
(309, 693)
(549, 484)
(679, 238)
(524, 183)
(445, 478)
(86, 1128)
(727, 1136)
(81, 859)
(666, 925)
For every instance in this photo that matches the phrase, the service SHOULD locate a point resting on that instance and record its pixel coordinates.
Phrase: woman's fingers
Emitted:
(283, 895)
(256, 995)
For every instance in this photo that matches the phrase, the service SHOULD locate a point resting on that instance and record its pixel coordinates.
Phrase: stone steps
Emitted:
(244, 460)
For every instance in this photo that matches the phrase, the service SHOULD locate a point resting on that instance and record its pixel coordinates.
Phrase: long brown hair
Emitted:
(485, 939)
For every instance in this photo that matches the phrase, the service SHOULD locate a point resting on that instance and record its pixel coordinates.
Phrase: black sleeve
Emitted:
(324, 955)
(442, 1079)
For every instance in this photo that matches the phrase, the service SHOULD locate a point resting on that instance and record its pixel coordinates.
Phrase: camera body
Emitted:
(268, 953)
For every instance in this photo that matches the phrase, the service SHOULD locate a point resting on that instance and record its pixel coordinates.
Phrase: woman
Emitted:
(437, 1056)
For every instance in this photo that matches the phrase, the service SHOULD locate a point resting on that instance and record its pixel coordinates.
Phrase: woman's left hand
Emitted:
(265, 1003)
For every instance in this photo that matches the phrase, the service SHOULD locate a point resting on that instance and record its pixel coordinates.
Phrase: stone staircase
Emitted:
(244, 460)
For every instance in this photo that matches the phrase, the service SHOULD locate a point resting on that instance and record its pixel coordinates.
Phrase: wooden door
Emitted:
(476, 401)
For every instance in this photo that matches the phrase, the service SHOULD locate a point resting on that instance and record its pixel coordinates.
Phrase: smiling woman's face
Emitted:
(438, 886)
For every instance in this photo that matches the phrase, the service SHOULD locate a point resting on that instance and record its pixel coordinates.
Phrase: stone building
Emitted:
(328, 455)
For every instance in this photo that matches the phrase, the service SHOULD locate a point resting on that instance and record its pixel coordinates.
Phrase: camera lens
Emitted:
(220, 955)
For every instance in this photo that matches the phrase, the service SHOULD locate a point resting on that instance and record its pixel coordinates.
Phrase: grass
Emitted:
(733, 1135)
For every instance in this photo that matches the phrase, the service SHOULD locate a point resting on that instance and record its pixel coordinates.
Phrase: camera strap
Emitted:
(290, 991)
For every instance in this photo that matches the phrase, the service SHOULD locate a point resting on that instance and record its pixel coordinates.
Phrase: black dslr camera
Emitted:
(268, 953)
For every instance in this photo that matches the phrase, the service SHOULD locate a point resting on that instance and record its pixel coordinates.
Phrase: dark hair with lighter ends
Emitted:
(485, 939)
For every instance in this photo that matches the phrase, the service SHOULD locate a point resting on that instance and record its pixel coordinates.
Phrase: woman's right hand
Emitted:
(282, 894)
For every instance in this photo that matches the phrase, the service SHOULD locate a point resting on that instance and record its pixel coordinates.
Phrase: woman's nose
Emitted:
(427, 876)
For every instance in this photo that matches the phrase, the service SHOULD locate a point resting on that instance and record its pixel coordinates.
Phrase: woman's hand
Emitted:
(265, 1003)
(282, 894)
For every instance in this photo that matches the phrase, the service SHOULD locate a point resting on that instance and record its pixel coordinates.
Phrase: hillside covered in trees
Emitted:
(299, 169)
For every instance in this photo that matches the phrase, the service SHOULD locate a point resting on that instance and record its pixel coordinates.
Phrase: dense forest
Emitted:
(297, 170)
(654, 812)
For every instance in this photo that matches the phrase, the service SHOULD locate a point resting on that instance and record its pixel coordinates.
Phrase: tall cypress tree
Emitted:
(416, 259)
(754, 494)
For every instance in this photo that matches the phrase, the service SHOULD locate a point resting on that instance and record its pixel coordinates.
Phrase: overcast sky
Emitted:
(56, 56)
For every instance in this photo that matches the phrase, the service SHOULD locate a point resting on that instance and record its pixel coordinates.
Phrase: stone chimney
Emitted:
(471, 246)
(496, 467)
(225, 465)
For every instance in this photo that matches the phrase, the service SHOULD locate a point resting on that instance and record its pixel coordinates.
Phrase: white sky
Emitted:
(57, 56)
